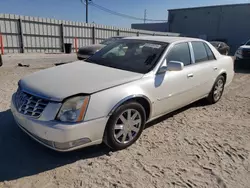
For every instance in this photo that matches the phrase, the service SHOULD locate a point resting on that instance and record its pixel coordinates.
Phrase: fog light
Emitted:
(68, 145)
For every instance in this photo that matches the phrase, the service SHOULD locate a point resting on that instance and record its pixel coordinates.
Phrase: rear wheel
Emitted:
(125, 126)
(217, 90)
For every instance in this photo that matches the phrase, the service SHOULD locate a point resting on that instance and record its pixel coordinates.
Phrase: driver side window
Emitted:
(180, 52)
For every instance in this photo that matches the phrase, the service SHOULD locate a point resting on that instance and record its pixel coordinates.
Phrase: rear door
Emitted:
(204, 68)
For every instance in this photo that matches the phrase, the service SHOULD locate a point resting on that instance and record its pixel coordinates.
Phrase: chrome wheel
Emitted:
(127, 126)
(218, 89)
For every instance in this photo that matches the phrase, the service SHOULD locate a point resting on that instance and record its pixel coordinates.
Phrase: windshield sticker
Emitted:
(152, 45)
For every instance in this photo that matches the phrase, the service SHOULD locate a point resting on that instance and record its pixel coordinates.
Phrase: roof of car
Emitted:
(166, 39)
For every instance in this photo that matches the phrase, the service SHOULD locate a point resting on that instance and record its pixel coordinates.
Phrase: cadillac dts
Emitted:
(110, 96)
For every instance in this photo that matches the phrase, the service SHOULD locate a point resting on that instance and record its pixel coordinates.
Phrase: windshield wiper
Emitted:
(149, 60)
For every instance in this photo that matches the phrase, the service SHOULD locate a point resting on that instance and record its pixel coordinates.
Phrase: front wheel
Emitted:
(125, 126)
(217, 90)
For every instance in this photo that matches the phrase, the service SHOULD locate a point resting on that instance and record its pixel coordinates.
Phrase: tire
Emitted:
(115, 128)
(219, 84)
(236, 64)
(1, 60)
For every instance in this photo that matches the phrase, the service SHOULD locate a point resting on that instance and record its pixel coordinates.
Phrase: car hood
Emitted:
(79, 77)
(245, 47)
(91, 49)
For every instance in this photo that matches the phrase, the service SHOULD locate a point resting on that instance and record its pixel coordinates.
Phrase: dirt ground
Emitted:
(198, 146)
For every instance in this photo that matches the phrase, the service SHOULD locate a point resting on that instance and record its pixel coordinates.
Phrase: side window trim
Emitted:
(191, 53)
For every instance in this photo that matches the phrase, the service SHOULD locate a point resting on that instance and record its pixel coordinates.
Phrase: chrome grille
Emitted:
(246, 53)
(29, 105)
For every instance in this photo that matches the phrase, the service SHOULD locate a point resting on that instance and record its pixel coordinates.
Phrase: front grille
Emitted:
(246, 53)
(29, 105)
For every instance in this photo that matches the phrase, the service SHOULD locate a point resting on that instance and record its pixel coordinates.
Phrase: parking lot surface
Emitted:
(197, 146)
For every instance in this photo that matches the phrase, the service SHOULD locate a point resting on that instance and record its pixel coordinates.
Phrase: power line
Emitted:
(121, 14)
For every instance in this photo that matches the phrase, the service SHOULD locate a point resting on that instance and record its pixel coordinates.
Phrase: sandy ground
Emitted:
(198, 146)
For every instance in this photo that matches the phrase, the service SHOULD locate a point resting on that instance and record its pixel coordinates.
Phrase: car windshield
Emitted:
(248, 43)
(110, 40)
(131, 55)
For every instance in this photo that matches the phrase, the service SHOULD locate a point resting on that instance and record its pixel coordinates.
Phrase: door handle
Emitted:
(190, 75)
(215, 68)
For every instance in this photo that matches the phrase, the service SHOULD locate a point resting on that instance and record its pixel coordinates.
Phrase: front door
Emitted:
(173, 89)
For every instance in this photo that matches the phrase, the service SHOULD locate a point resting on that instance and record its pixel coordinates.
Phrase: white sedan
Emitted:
(112, 95)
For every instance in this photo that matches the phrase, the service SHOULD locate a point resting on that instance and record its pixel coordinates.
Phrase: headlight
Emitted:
(239, 51)
(73, 109)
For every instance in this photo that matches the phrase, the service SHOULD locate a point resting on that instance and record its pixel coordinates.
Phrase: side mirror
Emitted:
(171, 66)
(162, 70)
(175, 66)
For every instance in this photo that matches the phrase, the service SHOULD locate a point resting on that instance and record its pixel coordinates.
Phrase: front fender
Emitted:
(103, 103)
(129, 98)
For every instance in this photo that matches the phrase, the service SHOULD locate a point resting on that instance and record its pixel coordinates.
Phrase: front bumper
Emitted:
(241, 57)
(61, 136)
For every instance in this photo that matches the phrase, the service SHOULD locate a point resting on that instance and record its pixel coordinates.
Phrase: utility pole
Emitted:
(145, 15)
(86, 3)
(87, 10)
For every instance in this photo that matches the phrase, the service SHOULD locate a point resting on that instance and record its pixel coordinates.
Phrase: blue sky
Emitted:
(74, 10)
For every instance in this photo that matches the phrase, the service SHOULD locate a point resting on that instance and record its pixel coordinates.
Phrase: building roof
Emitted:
(166, 39)
(240, 4)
